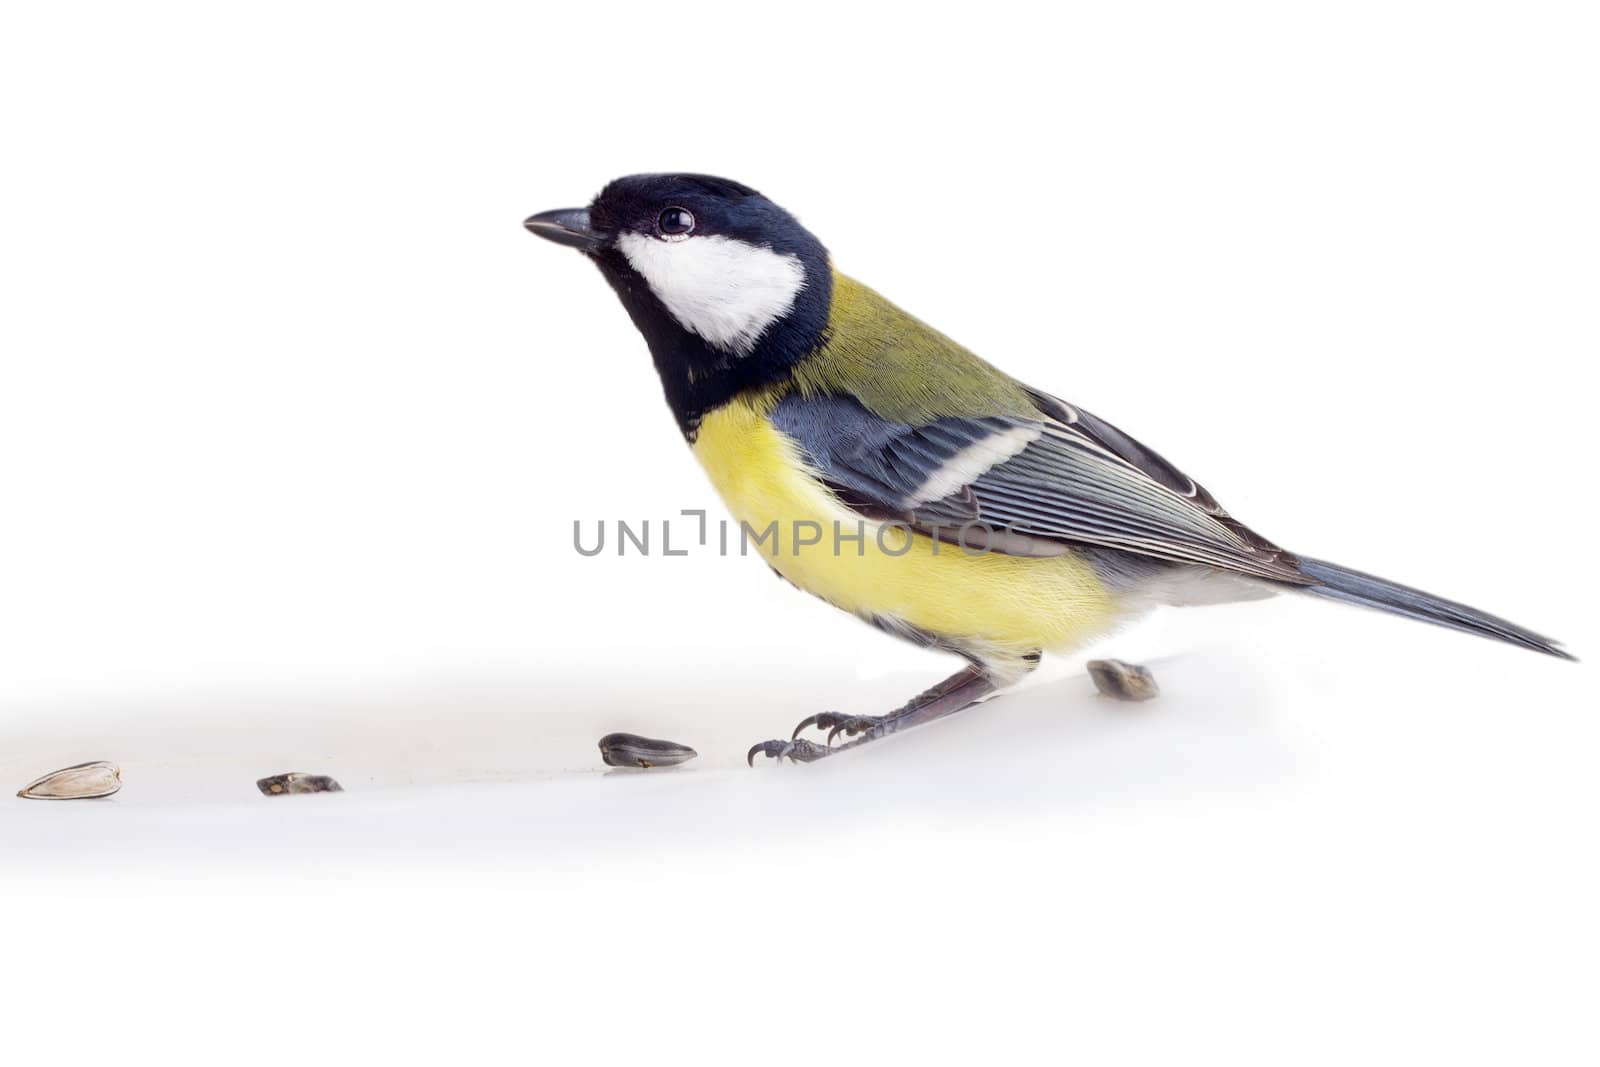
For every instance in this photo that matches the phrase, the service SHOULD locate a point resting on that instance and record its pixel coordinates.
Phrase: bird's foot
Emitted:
(837, 723)
(794, 751)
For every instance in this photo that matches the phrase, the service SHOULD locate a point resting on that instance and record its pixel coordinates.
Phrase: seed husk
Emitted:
(81, 781)
(1122, 681)
(631, 750)
(293, 782)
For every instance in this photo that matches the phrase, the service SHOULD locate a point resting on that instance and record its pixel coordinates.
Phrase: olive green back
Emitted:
(899, 367)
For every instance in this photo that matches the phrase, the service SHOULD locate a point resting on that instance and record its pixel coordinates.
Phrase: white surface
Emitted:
(295, 421)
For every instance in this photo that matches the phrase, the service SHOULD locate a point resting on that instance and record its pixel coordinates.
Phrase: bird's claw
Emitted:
(795, 751)
(851, 725)
(837, 722)
(798, 750)
(812, 720)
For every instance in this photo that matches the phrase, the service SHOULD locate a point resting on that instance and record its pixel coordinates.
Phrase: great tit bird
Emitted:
(978, 515)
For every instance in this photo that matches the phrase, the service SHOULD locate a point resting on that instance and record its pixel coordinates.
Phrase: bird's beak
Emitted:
(567, 226)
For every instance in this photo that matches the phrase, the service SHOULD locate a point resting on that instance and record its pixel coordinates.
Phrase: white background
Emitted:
(295, 420)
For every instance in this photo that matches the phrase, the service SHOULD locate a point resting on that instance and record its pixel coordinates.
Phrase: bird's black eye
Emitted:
(675, 222)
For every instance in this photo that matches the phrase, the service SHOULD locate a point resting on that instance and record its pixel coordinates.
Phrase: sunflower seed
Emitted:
(1124, 681)
(295, 782)
(79, 782)
(631, 750)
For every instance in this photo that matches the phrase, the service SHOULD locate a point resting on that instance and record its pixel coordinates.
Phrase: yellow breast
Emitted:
(1007, 605)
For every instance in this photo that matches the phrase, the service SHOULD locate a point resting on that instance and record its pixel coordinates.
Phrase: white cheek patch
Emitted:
(722, 289)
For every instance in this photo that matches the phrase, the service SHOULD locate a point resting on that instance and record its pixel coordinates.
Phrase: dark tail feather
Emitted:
(1353, 587)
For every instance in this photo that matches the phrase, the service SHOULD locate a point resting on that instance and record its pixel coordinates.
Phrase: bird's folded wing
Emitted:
(1025, 486)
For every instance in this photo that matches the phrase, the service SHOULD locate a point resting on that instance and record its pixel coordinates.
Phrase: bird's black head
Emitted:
(727, 288)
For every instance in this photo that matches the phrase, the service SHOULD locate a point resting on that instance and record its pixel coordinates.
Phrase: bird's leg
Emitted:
(961, 690)
(879, 725)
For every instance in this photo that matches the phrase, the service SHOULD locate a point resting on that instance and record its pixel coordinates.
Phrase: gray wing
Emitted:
(1024, 486)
